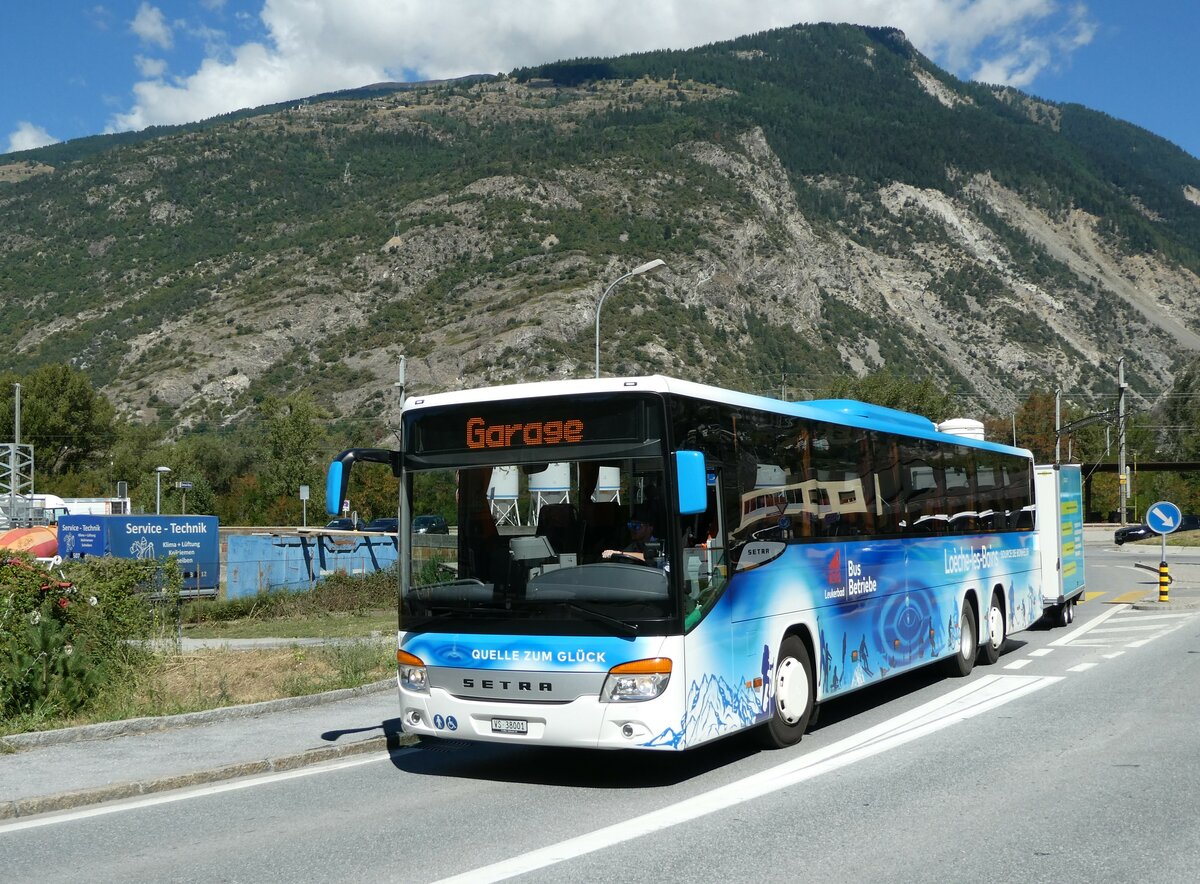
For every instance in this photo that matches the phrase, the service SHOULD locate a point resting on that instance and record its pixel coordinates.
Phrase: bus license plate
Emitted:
(510, 726)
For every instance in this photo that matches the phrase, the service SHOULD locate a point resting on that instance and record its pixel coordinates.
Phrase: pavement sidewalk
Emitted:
(75, 767)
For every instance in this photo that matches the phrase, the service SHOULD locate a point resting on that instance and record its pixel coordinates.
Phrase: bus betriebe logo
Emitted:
(481, 434)
(833, 574)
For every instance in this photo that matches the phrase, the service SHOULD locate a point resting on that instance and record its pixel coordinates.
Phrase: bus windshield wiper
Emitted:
(621, 627)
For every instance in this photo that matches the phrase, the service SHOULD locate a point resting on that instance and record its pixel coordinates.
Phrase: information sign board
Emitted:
(192, 540)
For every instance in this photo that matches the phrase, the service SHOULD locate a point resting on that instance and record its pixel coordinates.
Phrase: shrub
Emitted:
(65, 634)
(335, 594)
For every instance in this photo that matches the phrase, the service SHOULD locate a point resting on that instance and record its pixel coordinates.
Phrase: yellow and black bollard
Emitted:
(1164, 582)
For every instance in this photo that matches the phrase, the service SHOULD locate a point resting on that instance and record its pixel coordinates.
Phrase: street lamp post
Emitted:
(158, 474)
(648, 267)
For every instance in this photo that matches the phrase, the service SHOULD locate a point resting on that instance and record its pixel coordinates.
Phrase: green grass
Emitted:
(171, 684)
(333, 625)
(360, 612)
(338, 594)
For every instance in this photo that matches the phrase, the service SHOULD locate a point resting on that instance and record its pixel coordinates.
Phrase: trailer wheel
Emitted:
(989, 651)
(794, 693)
(1062, 614)
(961, 664)
(1070, 612)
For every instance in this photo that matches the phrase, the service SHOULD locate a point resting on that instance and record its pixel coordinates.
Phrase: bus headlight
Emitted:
(636, 681)
(413, 676)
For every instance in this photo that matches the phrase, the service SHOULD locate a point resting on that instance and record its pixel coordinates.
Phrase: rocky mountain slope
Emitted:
(827, 202)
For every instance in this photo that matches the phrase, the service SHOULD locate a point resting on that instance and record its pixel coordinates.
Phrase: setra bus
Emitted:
(742, 560)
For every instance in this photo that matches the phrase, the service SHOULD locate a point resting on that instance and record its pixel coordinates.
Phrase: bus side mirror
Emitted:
(335, 487)
(692, 482)
(338, 477)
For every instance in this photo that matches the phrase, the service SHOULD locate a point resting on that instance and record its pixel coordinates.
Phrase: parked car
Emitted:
(347, 524)
(385, 524)
(1130, 533)
(430, 525)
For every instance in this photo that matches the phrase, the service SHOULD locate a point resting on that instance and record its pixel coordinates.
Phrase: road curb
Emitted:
(1173, 605)
(26, 807)
(133, 726)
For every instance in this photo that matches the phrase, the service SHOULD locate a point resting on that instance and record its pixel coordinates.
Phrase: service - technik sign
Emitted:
(191, 539)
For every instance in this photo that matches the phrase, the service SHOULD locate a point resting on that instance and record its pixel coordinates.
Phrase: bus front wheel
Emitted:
(794, 694)
(961, 664)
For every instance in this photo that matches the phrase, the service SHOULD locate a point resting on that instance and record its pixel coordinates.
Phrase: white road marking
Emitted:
(1018, 664)
(1145, 641)
(1146, 618)
(1128, 628)
(185, 795)
(1041, 652)
(974, 699)
(1075, 634)
(1082, 667)
(1111, 656)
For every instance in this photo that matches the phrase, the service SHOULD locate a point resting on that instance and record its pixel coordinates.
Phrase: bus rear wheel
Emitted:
(794, 693)
(961, 664)
(989, 651)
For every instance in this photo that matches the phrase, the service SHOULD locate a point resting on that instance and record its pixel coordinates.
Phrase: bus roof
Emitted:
(847, 412)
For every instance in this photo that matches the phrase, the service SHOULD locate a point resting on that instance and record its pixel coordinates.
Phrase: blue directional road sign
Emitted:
(1163, 517)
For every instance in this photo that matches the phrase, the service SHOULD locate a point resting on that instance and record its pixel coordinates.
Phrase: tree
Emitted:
(1035, 425)
(133, 458)
(1035, 430)
(1182, 414)
(1181, 436)
(68, 423)
(892, 390)
(293, 446)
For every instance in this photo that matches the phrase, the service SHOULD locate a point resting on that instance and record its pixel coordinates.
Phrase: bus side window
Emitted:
(889, 490)
(706, 569)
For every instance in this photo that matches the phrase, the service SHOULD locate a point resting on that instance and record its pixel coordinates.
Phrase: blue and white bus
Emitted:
(747, 559)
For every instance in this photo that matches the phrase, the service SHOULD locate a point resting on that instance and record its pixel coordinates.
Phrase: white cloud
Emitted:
(151, 26)
(27, 136)
(150, 67)
(313, 46)
(100, 16)
(1021, 56)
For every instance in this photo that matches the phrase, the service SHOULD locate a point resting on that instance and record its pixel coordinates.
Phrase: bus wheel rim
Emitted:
(966, 643)
(791, 690)
(996, 627)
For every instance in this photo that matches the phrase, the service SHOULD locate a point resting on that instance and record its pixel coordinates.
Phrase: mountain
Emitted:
(827, 200)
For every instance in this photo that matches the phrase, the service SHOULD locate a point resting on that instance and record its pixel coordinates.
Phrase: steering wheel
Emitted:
(624, 559)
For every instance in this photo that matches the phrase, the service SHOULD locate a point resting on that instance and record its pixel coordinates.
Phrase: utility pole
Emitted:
(1122, 479)
(13, 481)
(1057, 427)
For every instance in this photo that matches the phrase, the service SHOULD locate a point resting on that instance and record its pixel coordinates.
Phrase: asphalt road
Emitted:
(1073, 758)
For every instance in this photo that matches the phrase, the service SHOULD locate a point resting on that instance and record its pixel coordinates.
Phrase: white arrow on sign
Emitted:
(1167, 521)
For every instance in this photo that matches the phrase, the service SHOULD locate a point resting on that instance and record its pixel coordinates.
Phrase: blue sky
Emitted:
(83, 68)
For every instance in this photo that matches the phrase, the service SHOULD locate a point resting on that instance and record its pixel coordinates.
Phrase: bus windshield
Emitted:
(573, 543)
